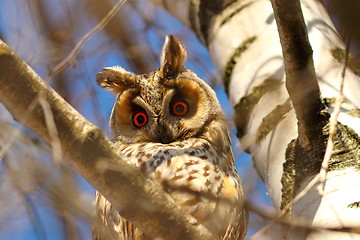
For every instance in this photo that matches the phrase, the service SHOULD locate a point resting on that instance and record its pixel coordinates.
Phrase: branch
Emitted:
(118, 30)
(301, 80)
(75, 51)
(91, 154)
(298, 223)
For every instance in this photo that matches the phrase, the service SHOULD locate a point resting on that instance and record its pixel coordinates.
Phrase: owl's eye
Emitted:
(180, 108)
(139, 119)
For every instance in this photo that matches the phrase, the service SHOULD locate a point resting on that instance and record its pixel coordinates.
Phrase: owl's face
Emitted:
(167, 105)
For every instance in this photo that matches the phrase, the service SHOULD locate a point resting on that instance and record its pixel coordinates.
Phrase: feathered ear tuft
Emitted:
(173, 57)
(115, 79)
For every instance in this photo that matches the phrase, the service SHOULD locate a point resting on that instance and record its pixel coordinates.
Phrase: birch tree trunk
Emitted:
(243, 42)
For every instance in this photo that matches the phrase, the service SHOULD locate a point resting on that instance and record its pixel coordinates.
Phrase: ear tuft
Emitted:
(115, 79)
(173, 57)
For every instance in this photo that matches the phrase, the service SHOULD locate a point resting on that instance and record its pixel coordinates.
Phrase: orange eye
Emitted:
(139, 119)
(180, 108)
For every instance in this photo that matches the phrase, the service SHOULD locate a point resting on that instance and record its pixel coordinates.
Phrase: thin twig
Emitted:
(262, 231)
(24, 196)
(121, 32)
(299, 196)
(53, 132)
(297, 222)
(72, 55)
(16, 132)
(333, 124)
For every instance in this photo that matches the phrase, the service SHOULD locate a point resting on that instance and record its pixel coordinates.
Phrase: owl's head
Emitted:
(167, 105)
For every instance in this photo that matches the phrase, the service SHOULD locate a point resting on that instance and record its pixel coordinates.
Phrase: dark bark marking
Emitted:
(352, 63)
(330, 103)
(231, 15)
(272, 120)
(354, 205)
(346, 151)
(247, 103)
(288, 177)
(354, 113)
(232, 61)
(301, 164)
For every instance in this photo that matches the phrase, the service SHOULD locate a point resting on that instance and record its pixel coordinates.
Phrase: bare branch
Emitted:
(333, 124)
(57, 37)
(72, 55)
(295, 222)
(50, 125)
(301, 80)
(118, 30)
(92, 154)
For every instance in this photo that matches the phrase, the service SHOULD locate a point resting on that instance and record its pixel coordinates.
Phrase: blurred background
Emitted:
(44, 199)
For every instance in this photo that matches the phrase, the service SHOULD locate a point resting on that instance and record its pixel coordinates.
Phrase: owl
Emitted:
(169, 124)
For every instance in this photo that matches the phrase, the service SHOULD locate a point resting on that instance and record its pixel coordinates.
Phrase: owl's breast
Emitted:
(186, 171)
(187, 166)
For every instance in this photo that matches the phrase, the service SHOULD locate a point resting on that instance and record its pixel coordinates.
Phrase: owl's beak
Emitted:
(164, 134)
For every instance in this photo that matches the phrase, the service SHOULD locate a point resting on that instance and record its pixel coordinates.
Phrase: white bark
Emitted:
(245, 33)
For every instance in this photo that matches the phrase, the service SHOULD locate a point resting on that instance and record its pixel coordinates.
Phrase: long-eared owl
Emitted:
(169, 123)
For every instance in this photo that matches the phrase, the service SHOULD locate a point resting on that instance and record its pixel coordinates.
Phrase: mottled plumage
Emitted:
(170, 125)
